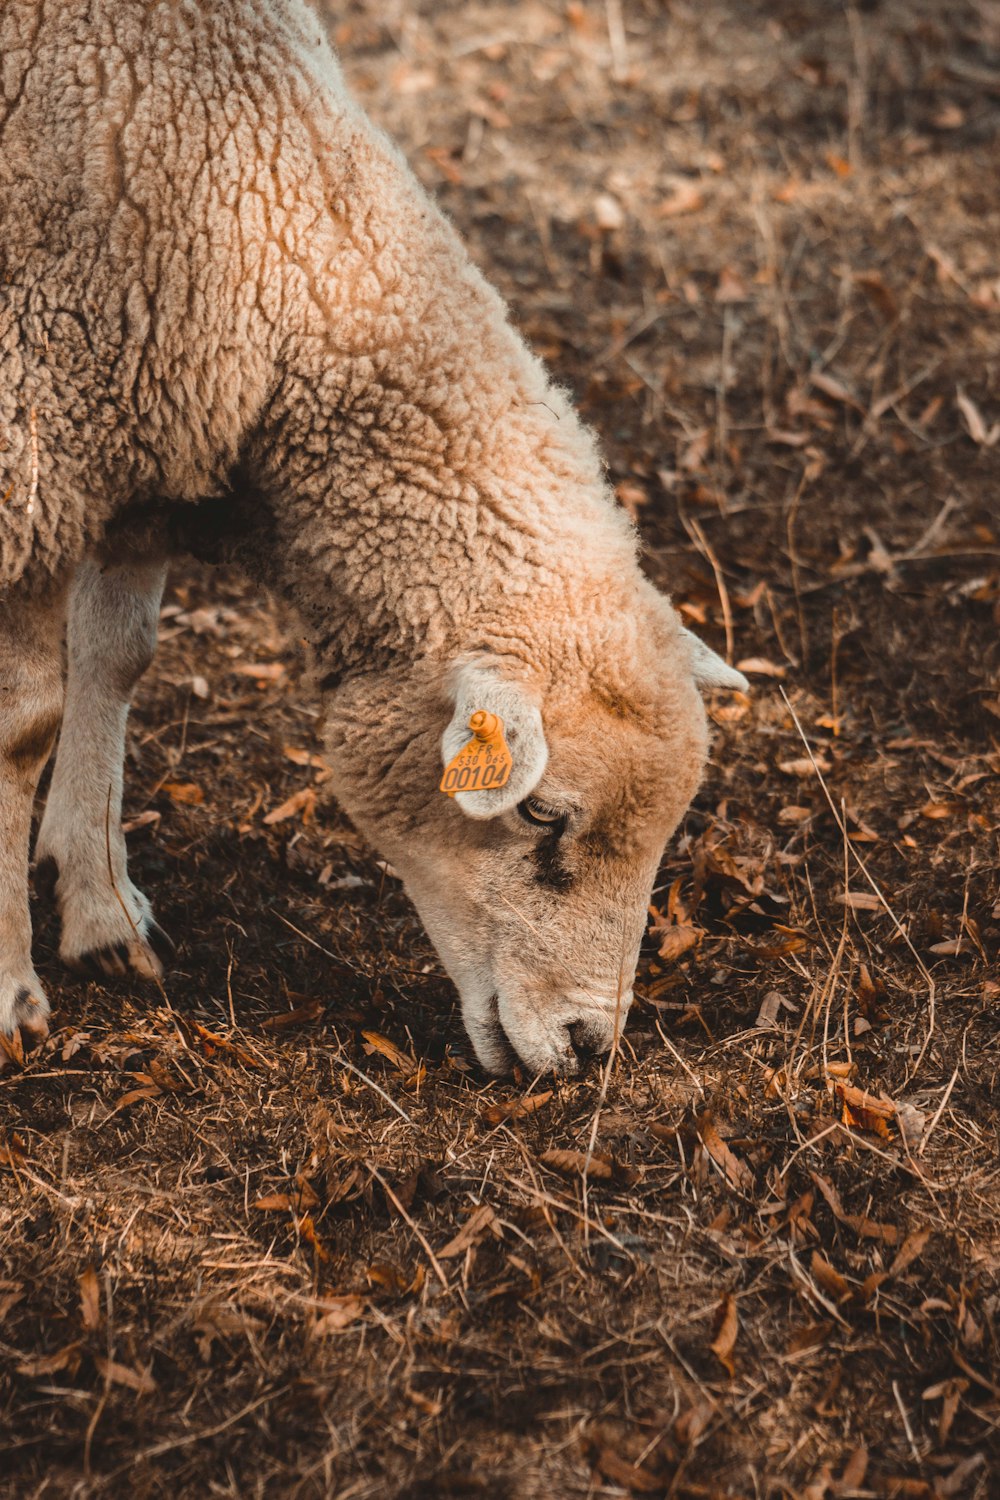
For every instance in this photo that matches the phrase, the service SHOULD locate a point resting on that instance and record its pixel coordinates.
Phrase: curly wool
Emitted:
(218, 279)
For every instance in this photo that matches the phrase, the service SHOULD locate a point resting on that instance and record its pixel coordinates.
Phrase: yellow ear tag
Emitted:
(484, 764)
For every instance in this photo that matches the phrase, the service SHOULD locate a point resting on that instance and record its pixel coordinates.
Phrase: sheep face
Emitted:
(535, 891)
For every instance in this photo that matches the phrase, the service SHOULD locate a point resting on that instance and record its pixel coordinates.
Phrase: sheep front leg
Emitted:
(31, 688)
(107, 923)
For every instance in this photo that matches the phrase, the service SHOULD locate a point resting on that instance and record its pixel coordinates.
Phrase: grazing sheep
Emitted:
(231, 320)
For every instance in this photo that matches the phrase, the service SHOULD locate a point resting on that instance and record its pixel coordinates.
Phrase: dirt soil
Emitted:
(272, 1232)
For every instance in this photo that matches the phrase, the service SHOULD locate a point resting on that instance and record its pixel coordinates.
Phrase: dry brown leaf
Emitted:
(862, 901)
(910, 1250)
(67, 1358)
(118, 1374)
(855, 1470)
(300, 1016)
(303, 802)
(686, 197)
(479, 1222)
(731, 287)
(185, 793)
(90, 1299)
(692, 1423)
(727, 1327)
(862, 1111)
(867, 1229)
(307, 1231)
(882, 297)
(334, 1314)
(376, 1042)
(938, 810)
(570, 1163)
(273, 1201)
(803, 766)
(516, 1109)
(314, 762)
(737, 1173)
(261, 671)
(150, 1091)
(812, 1336)
(623, 1472)
(677, 939)
(12, 1152)
(794, 815)
(830, 1279)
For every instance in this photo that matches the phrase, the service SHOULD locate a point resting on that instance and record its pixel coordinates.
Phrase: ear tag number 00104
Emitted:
(484, 764)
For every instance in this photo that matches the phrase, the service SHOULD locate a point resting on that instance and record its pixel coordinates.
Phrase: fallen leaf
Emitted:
(771, 1007)
(692, 1423)
(262, 672)
(623, 1472)
(803, 766)
(727, 1327)
(676, 939)
(882, 297)
(334, 1314)
(737, 1173)
(376, 1042)
(794, 815)
(686, 197)
(731, 287)
(862, 901)
(855, 1470)
(569, 1163)
(516, 1109)
(118, 1374)
(186, 793)
(481, 1220)
(909, 1251)
(67, 1358)
(90, 1299)
(863, 1111)
(300, 1016)
(280, 1201)
(865, 1228)
(830, 1279)
(303, 802)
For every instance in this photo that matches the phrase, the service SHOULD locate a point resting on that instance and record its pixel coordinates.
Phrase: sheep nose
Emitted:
(588, 1040)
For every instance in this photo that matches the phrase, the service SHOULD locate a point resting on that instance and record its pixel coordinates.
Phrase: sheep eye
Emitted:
(541, 816)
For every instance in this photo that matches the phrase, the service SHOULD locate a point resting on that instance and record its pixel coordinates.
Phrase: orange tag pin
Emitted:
(484, 764)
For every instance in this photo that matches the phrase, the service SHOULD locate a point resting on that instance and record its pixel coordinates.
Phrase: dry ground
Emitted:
(271, 1232)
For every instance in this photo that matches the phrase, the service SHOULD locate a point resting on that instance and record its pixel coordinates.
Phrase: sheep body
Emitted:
(228, 309)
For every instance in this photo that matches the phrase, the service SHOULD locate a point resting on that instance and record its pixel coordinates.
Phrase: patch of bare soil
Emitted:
(270, 1232)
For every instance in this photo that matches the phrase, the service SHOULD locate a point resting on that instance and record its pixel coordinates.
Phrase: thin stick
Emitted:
(343, 1063)
(693, 526)
(906, 1423)
(424, 1242)
(938, 1112)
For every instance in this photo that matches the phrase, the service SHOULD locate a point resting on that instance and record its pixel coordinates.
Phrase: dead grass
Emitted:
(271, 1233)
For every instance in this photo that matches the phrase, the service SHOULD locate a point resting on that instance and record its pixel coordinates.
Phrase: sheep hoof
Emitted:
(143, 956)
(24, 1023)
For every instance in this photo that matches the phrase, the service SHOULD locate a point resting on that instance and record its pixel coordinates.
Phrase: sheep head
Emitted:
(533, 879)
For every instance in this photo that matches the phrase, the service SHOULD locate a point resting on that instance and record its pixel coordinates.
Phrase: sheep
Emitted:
(232, 321)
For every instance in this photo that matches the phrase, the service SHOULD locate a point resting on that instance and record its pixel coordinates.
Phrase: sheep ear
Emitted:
(710, 671)
(480, 689)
